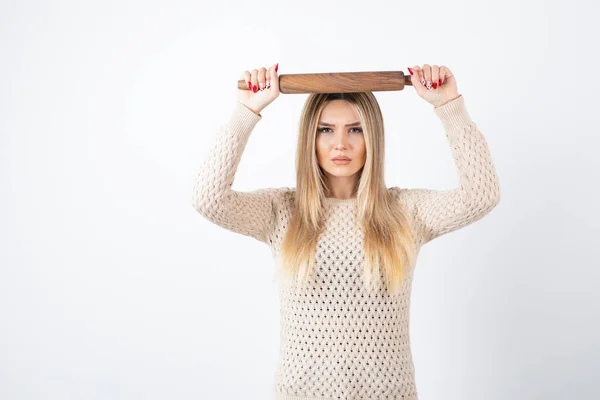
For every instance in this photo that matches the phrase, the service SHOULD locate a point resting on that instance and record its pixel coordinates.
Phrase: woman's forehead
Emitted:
(338, 112)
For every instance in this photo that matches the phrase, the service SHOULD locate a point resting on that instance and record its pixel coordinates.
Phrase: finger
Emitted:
(427, 75)
(262, 73)
(445, 73)
(413, 75)
(435, 75)
(419, 75)
(417, 79)
(254, 80)
(246, 77)
(275, 77)
(268, 77)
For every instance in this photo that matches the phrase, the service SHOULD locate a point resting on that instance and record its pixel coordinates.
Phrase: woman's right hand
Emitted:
(264, 88)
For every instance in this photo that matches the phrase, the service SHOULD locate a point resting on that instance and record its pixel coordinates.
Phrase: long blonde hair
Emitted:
(388, 241)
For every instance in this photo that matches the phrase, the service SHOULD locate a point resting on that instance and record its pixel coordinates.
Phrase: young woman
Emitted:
(344, 242)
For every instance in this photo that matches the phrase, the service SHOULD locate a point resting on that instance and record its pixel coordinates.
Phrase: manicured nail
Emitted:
(268, 83)
(435, 85)
(260, 86)
(249, 86)
(411, 72)
(440, 82)
(276, 67)
(254, 88)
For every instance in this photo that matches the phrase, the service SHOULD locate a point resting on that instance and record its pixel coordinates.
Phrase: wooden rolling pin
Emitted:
(339, 82)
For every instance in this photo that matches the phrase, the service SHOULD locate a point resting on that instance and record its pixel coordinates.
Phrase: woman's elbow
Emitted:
(492, 199)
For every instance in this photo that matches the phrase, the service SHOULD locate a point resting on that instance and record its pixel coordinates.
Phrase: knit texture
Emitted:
(338, 339)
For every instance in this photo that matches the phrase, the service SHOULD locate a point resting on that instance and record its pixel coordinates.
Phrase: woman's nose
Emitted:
(341, 141)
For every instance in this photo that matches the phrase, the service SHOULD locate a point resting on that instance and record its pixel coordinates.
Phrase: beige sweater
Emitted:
(339, 341)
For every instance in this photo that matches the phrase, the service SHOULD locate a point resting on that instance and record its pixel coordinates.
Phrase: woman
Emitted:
(346, 242)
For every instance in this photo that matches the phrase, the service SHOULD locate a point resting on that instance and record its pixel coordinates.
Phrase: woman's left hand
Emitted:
(434, 84)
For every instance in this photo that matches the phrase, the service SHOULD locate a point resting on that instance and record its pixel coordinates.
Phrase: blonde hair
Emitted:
(388, 241)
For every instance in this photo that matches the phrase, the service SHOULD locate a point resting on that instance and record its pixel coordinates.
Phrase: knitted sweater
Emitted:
(338, 340)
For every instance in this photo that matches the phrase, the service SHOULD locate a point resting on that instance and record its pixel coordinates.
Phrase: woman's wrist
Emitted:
(254, 110)
(447, 101)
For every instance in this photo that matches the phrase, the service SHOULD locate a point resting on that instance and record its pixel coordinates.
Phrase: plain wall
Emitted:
(113, 287)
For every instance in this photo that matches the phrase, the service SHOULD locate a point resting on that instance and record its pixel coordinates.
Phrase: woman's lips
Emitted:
(341, 161)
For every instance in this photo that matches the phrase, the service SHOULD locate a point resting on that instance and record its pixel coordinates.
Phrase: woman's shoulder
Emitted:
(398, 192)
(283, 194)
(405, 196)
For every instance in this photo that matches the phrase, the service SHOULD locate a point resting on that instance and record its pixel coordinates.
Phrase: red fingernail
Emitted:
(440, 81)
(434, 85)
(410, 70)
(254, 88)
(249, 86)
(276, 67)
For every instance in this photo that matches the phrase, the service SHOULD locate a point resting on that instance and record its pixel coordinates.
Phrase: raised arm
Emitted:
(248, 213)
(437, 212)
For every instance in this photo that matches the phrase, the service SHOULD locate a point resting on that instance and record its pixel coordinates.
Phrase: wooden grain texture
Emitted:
(340, 82)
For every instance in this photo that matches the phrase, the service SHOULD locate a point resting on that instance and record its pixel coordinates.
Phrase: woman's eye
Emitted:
(359, 130)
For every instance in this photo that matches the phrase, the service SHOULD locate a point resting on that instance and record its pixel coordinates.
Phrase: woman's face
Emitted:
(334, 139)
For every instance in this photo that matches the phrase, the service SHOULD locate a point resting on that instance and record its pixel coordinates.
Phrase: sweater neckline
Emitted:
(333, 200)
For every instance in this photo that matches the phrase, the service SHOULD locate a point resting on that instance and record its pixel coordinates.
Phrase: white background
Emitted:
(113, 287)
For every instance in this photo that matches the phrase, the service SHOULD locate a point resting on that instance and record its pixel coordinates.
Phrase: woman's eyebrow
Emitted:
(351, 124)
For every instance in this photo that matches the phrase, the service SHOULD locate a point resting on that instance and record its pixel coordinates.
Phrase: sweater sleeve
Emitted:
(437, 212)
(248, 213)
